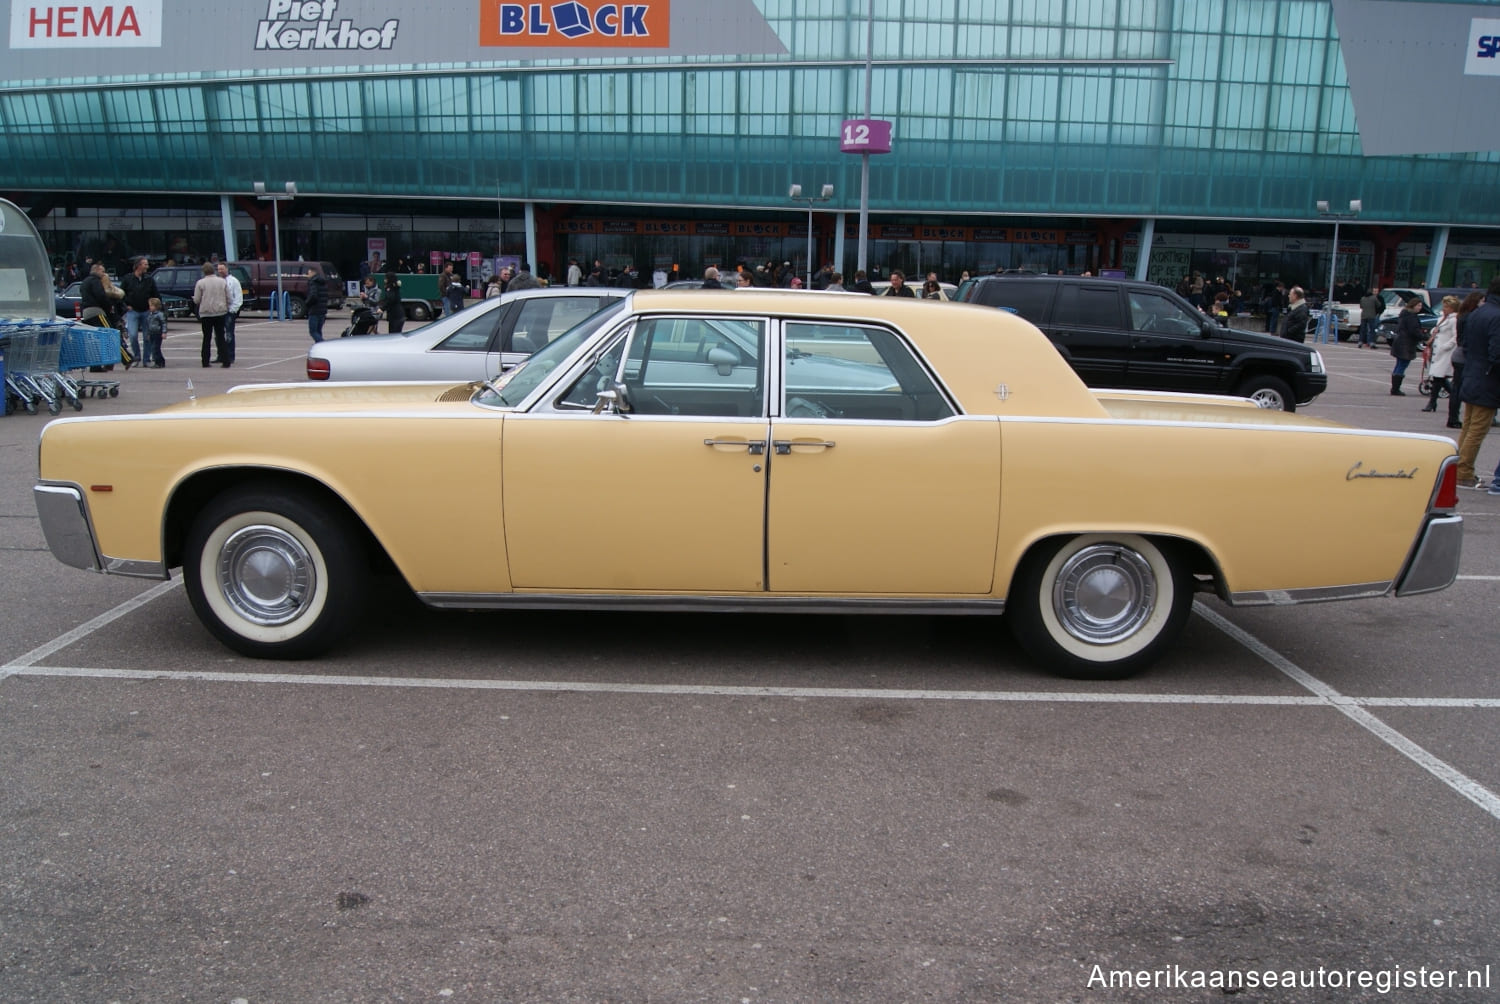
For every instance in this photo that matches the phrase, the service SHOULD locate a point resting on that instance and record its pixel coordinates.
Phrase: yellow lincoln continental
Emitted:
(754, 451)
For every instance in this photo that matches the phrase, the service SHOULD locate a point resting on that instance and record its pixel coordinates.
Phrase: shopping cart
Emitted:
(31, 374)
(85, 346)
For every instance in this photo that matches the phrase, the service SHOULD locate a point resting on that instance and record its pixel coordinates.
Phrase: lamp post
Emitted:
(795, 194)
(1333, 260)
(275, 198)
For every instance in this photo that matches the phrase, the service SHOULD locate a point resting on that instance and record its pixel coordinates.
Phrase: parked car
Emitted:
(1350, 315)
(68, 302)
(754, 453)
(260, 281)
(177, 281)
(474, 344)
(1138, 335)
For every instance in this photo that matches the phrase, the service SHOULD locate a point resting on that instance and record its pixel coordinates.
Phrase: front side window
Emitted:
(1155, 313)
(704, 366)
(852, 372)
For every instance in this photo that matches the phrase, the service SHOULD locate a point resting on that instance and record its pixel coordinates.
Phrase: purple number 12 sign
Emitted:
(865, 136)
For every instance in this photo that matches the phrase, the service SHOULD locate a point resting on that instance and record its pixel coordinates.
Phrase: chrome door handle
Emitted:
(784, 446)
(755, 447)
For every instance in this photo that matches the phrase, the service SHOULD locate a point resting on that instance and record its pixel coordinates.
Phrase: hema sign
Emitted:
(1422, 76)
(107, 37)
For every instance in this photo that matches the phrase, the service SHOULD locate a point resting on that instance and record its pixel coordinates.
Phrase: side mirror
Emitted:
(615, 399)
(724, 359)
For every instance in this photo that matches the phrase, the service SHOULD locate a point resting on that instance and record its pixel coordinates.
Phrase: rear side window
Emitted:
(1088, 307)
(1029, 299)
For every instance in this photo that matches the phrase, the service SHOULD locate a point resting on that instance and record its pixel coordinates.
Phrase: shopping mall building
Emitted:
(1150, 136)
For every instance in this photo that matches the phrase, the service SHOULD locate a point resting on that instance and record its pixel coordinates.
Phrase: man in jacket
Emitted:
(1371, 306)
(236, 303)
(317, 304)
(139, 289)
(523, 279)
(1293, 324)
(1481, 387)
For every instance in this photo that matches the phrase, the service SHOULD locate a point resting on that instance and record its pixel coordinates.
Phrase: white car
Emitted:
(947, 289)
(476, 343)
(1351, 314)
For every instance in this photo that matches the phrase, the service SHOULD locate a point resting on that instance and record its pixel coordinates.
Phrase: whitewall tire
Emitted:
(274, 575)
(1099, 606)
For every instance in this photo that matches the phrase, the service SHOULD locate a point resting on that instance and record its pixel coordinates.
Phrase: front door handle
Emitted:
(784, 446)
(755, 447)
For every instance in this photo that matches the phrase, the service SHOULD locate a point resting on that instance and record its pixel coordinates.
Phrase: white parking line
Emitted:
(1323, 694)
(1459, 782)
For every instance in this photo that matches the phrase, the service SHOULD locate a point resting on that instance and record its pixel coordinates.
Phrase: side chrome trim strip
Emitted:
(1314, 594)
(709, 604)
(133, 569)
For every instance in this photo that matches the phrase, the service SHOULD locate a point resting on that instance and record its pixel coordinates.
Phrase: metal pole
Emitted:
(1333, 264)
(809, 244)
(864, 158)
(276, 230)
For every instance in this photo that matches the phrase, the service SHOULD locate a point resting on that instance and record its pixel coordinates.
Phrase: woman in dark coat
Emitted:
(1406, 344)
(390, 304)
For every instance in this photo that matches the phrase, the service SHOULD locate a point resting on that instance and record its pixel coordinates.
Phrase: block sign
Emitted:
(865, 136)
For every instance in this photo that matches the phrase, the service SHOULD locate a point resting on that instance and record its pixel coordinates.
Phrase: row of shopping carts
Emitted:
(48, 363)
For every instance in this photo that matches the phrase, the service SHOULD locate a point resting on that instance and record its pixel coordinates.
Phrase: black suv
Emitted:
(1117, 333)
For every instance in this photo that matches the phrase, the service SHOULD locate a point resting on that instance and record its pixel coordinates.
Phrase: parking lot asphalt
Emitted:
(643, 807)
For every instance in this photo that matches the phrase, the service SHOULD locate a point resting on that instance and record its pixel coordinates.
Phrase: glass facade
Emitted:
(1041, 110)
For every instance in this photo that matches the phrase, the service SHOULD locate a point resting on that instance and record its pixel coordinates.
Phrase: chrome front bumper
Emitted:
(1434, 561)
(70, 534)
(65, 523)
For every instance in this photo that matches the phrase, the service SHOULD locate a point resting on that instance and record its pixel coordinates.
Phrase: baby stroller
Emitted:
(362, 321)
(1424, 386)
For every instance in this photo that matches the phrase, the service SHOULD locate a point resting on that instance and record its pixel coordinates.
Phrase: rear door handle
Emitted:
(784, 446)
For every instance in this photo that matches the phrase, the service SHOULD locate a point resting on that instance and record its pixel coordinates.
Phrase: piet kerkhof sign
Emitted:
(309, 24)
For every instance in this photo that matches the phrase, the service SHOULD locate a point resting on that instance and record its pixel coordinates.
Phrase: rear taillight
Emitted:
(318, 369)
(1446, 496)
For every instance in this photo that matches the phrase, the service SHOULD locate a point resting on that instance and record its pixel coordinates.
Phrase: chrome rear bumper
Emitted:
(1434, 561)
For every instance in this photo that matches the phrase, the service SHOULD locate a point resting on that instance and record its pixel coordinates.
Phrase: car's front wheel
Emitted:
(1099, 606)
(1269, 392)
(274, 575)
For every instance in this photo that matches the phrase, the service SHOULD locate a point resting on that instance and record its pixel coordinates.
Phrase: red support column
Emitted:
(1386, 240)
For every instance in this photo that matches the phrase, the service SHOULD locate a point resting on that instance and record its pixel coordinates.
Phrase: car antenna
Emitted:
(191, 395)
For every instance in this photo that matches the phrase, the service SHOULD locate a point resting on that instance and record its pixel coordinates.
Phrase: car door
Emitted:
(1169, 347)
(665, 494)
(1088, 327)
(878, 486)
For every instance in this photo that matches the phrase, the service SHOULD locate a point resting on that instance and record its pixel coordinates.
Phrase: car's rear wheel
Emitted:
(418, 311)
(297, 306)
(274, 575)
(1099, 606)
(1269, 392)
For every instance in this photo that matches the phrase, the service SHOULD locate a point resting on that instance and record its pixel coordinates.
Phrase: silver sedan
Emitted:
(476, 343)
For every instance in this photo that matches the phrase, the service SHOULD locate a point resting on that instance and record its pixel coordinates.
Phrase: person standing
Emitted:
(390, 304)
(1444, 339)
(1293, 324)
(1481, 387)
(317, 303)
(1405, 344)
(575, 273)
(1371, 306)
(898, 286)
(236, 301)
(862, 282)
(211, 296)
(139, 289)
(452, 288)
(1455, 403)
(711, 279)
(523, 279)
(155, 333)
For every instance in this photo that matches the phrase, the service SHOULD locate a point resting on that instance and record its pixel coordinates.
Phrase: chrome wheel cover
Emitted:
(1267, 398)
(1104, 593)
(266, 575)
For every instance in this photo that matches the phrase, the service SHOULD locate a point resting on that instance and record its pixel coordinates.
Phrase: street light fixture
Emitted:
(275, 198)
(1355, 205)
(795, 194)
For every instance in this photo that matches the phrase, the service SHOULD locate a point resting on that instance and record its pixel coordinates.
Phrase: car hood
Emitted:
(326, 396)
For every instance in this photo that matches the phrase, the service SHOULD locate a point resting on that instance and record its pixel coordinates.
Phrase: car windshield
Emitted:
(512, 387)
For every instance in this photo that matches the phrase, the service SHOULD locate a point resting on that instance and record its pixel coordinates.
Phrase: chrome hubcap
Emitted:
(1267, 399)
(266, 575)
(1104, 593)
